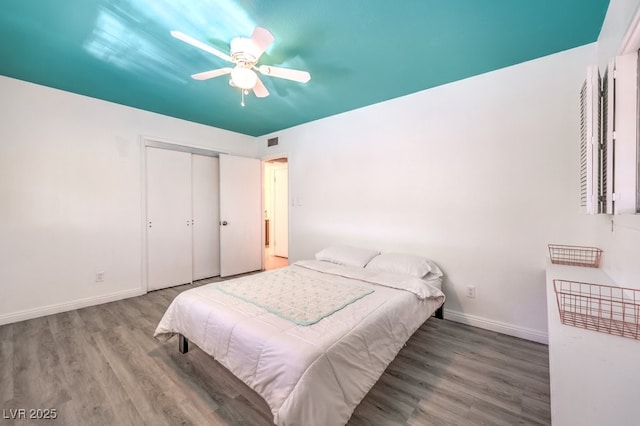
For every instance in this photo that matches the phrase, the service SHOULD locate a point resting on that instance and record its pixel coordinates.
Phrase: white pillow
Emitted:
(436, 272)
(347, 255)
(404, 264)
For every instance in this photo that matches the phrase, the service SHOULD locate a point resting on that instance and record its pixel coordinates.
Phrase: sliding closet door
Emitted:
(240, 214)
(206, 216)
(281, 212)
(168, 218)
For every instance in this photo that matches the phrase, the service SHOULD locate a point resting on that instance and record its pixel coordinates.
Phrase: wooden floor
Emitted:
(274, 262)
(101, 366)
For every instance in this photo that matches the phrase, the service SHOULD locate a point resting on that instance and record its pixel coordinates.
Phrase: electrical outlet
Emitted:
(99, 276)
(471, 292)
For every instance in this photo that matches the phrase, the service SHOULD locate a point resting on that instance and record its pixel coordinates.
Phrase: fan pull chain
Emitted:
(244, 92)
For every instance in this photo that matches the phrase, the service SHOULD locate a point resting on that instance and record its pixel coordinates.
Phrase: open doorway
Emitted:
(276, 213)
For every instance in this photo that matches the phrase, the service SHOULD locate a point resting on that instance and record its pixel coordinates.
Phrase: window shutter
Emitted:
(589, 141)
(606, 147)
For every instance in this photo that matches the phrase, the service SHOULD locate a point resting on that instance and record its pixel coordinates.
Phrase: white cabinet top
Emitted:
(595, 377)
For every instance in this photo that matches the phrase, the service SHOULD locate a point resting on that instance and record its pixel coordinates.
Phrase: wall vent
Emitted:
(272, 141)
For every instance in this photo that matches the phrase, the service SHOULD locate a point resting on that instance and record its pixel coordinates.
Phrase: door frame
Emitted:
(266, 159)
(155, 142)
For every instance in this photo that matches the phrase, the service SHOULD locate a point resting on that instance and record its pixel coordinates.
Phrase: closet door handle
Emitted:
(224, 223)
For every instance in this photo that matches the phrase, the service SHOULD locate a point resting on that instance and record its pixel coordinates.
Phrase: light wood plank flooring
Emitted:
(101, 366)
(274, 262)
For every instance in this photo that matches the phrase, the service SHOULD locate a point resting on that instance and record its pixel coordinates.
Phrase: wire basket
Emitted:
(575, 255)
(607, 309)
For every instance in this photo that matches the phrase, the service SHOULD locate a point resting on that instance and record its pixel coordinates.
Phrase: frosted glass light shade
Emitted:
(244, 78)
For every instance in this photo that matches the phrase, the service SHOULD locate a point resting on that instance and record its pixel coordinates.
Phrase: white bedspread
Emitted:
(308, 375)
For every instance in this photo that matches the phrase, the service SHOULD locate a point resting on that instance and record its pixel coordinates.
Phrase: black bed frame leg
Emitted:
(183, 344)
(440, 312)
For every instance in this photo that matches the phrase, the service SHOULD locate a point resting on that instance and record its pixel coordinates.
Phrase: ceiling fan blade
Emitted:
(200, 45)
(211, 74)
(289, 74)
(259, 90)
(262, 38)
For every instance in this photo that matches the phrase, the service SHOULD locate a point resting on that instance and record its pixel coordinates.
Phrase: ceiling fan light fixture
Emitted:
(245, 54)
(244, 78)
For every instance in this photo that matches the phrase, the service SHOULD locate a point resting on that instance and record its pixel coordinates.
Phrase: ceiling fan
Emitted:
(245, 53)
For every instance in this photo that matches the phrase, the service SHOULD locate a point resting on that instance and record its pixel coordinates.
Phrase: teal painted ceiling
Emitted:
(358, 52)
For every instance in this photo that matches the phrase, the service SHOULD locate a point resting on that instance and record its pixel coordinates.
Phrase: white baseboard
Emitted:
(67, 306)
(497, 326)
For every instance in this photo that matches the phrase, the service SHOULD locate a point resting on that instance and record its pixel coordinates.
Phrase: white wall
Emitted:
(70, 195)
(622, 245)
(479, 175)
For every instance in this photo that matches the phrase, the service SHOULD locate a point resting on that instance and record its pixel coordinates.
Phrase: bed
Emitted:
(311, 338)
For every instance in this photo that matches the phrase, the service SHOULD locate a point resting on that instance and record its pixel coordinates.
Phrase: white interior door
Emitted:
(281, 212)
(240, 215)
(206, 216)
(168, 218)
